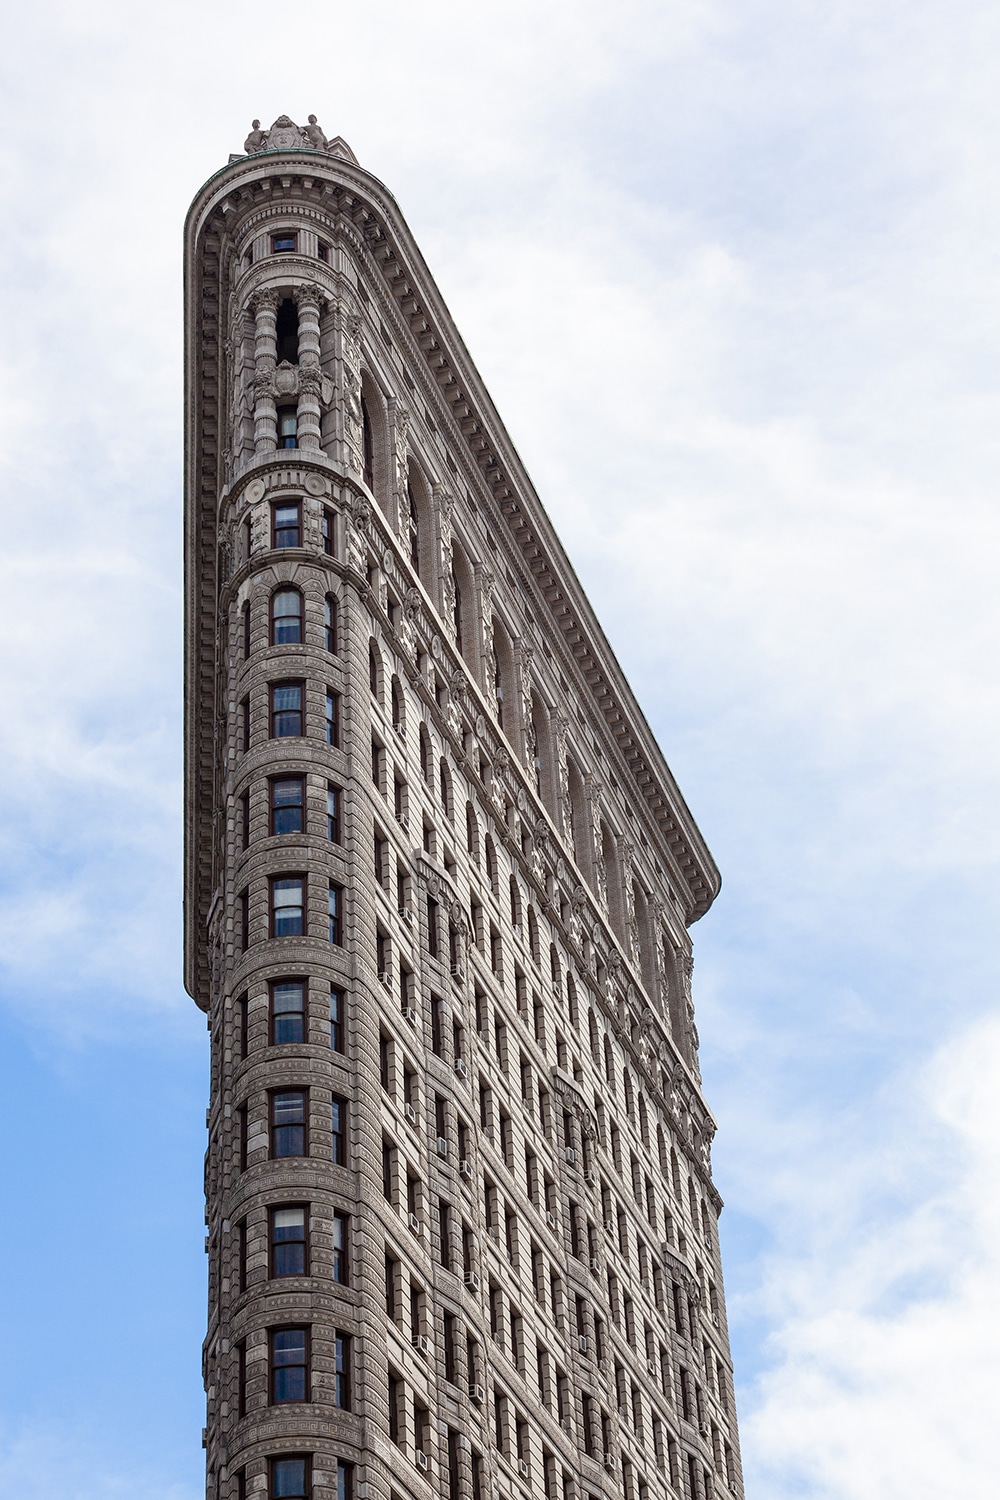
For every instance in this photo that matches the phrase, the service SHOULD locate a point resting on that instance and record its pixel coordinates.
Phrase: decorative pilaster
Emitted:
(265, 351)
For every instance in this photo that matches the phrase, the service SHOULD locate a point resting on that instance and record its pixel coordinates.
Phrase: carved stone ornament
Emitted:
(316, 484)
(480, 726)
(459, 682)
(255, 491)
(361, 512)
(411, 602)
(285, 135)
(286, 379)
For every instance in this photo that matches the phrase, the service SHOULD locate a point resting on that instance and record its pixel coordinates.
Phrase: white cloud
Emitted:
(886, 1321)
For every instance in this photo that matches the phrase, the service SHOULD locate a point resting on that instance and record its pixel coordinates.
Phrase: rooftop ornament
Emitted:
(285, 135)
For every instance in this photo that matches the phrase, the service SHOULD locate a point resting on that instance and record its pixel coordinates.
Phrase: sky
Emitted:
(729, 272)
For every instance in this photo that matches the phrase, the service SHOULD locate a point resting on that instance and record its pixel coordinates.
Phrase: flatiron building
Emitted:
(462, 1231)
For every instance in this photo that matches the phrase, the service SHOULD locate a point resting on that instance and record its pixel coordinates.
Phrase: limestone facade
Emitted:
(462, 1232)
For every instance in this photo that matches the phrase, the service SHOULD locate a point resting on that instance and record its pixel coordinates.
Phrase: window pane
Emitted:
(287, 997)
(288, 1478)
(288, 695)
(289, 1108)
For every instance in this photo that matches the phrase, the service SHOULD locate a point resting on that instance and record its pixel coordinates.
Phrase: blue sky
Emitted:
(729, 271)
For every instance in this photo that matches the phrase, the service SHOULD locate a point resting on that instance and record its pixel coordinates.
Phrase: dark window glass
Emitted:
(288, 1123)
(288, 1241)
(287, 906)
(289, 1364)
(282, 243)
(288, 1011)
(326, 531)
(334, 904)
(332, 702)
(287, 529)
(342, 1371)
(330, 624)
(286, 616)
(368, 443)
(338, 1126)
(341, 1269)
(286, 709)
(413, 528)
(345, 1481)
(290, 1478)
(288, 428)
(336, 1019)
(286, 805)
(333, 813)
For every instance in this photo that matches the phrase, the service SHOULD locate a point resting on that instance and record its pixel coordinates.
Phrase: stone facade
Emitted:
(462, 1232)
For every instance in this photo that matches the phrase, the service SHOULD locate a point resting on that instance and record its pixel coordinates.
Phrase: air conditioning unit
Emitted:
(550, 1218)
(522, 1465)
(472, 1280)
(460, 1068)
(410, 1113)
(704, 1429)
(610, 1226)
(402, 820)
(409, 1014)
(385, 979)
(609, 1460)
(477, 1394)
(595, 1264)
(421, 1344)
(651, 1367)
(715, 1319)
(414, 1224)
(465, 1168)
(590, 1176)
(584, 1343)
(442, 1145)
(457, 971)
(406, 912)
(421, 1460)
(570, 1155)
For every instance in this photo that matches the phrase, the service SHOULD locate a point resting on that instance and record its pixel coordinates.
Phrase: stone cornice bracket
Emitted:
(571, 1095)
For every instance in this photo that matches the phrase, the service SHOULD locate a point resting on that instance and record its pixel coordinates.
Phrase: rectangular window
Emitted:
(345, 1480)
(244, 920)
(288, 1011)
(245, 722)
(289, 1256)
(342, 1371)
(336, 1019)
(290, 1478)
(288, 1123)
(243, 1123)
(330, 621)
(245, 821)
(432, 927)
(335, 901)
(326, 530)
(286, 710)
(286, 804)
(289, 1351)
(283, 243)
(341, 1263)
(338, 1126)
(333, 813)
(286, 519)
(395, 1391)
(288, 905)
(332, 718)
(241, 1248)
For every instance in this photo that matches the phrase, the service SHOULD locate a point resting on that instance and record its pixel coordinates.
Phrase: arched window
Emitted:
(609, 854)
(629, 1100)
(446, 797)
(472, 832)
(375, 669)
(609, 1062)
(533, 936)
(515, 901)
(503, 680)
(425, 755)
(661, 1152)
(330, 624)
(287, 332)
(246, 631)
(644, 933)
(286, 617)
(464, 615)
(413, 526)
(491, 863)
(368, 446)
(595, 1042)
(554, 969)
(643, 1121)
(398, 713)
(578, 829)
